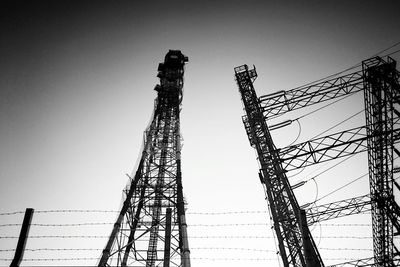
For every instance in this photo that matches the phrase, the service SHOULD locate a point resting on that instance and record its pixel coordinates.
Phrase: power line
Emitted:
(334, 126)
(331, 167)
(334, 191)
(352, 67)
(386, 49)
(397, 51)
(324, 106)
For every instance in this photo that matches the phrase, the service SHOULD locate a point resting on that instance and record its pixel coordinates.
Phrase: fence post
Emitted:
(23, 235)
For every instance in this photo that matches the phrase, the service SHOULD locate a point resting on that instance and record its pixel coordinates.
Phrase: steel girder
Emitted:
(334, 146)
(278, 103)
(338, 209)
(366, 262)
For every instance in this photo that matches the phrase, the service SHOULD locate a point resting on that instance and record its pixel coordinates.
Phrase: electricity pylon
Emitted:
(380, 82)
(296, 245)
(151, 228)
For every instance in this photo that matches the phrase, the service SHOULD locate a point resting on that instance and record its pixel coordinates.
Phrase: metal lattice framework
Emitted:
(296, 245)
(380, 82)
(151, 227)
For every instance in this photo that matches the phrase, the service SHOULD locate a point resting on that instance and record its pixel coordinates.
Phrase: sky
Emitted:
(76, 92)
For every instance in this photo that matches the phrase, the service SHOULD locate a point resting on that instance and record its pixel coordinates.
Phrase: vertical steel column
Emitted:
(167, 243)
(379, 83)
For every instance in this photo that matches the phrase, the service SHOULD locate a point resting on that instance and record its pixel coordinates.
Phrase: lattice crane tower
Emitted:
(151, 227)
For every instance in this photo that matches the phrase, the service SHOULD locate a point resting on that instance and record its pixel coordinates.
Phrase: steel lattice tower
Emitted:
(151, 227)
(296, 245)
(380, 82)
(382, 88)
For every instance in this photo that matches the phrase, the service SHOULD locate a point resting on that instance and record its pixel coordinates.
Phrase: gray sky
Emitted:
(76, 94)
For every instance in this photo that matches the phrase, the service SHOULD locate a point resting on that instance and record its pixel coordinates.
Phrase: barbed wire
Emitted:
(12, 213)
(114, 211)
(71, 224)
(190, 225)
(100, 249)
(192, 248)
(55, 259)
(206, 237)
(58, 236)
(193, 258)
(53, 249)
(345, 249)
(230, 224)
(228, 212)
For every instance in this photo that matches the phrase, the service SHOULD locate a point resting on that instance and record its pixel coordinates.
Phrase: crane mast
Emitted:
(151, 227)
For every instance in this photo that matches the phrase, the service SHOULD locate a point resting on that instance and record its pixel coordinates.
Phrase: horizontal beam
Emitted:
(338, 209)
(327, 148)
(365, 262)
(324, 148)
(284, 101)
(362, 262)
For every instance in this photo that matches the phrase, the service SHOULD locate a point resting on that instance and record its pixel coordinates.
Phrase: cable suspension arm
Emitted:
(362, 263)
(327, 148)
(284, 101)
(338, 209)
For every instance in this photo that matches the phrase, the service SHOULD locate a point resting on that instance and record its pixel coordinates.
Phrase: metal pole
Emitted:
(167, 243)
(23, 235)
(185, 252)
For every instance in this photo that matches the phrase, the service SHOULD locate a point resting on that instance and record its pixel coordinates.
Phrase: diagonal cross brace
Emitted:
(327, 148)
(338, 209)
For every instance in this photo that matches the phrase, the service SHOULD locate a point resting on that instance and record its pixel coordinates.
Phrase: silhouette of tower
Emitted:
(379, 137)
(151, 227)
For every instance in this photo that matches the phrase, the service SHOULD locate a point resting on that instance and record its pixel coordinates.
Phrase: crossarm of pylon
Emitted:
(324, 148)
(365, 262)
(284, 101)
(358, 263)
(338, 209)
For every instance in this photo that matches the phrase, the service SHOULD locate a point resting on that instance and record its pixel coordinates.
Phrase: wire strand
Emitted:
(343, 186)
(325, 106)
(334, 126)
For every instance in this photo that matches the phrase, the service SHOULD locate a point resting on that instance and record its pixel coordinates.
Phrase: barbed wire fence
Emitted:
(77, 237)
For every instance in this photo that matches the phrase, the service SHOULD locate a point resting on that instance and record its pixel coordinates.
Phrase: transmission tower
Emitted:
(380, 82)
(296, 245)
(151, 227)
